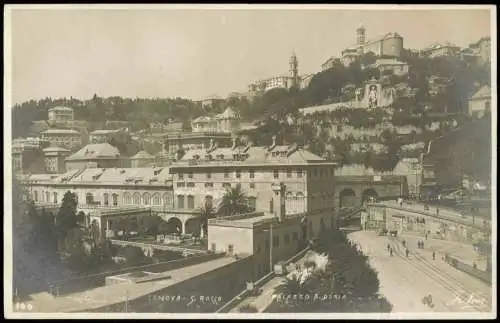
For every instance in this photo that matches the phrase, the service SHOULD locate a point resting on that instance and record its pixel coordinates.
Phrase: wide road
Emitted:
(405, 281)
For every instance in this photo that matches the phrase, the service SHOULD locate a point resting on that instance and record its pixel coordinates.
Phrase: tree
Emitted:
(234, 201)
(207, 212)
(153, 225)
(67, 219)
(134, 255)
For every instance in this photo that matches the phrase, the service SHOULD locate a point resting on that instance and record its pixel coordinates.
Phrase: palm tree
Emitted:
(234, 201)
(207, 212)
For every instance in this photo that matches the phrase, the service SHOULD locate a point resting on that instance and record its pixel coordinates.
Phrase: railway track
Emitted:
(480, 302)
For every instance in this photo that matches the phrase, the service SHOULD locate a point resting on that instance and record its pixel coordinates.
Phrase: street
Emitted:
(406, 281)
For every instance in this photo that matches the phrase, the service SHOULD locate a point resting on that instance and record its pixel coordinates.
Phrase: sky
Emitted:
(197, 53)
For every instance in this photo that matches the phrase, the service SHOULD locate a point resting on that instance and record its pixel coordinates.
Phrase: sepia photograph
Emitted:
(250, 161)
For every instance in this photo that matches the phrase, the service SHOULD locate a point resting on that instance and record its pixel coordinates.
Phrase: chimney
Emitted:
(273, 144)
(279, 208)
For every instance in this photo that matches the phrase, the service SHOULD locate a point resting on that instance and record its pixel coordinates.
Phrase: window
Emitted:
(252, 174)
(271, 206)
(258, 248)
(252, 185)
(226, 185)
(276, 174)
(89, 198)
(36, 196)
(180, 176)
(267, 243)
(289, 173)
(238, 174)
(276, 241)
(190, 202)
(213, 247)
(115, 199)
(226, 173)
(299, 173)
(209, 200)
(230, 249)
(295, 236)
(127, 199)
(190, 184)
(146, 198)
(55, 197)
(209, 175)
(181, 184)
(167, 199)
(137, 199)
(190, 175)
(180, 201)
(287, 238)
(252, 202)
(209, 185)
(106, 199)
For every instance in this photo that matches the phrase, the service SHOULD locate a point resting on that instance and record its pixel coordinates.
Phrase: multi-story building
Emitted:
(226, 122)
(330, 63)
(55, 159)
(67, 138)
(480, 102)
(482, 48)
(96, 156)
(118, 190)
(186, 141)
(61, 115)
(441, 49)
(396, 67)
(203, 176)
(25, 157)
(390, 44)
(107, 135)
(282, 81)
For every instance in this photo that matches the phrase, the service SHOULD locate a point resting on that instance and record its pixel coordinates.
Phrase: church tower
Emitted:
(294, 70)
(360, 39)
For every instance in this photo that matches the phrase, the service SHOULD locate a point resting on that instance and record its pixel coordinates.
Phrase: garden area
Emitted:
(338, 280)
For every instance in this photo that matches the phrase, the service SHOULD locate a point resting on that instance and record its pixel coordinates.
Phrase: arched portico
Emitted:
(347, 198)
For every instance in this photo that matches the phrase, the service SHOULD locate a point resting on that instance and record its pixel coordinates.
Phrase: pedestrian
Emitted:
(426, 236)
(422, 245)
(407, 252)
(404, 243)
(433, 255)
(390, 251)
(388, 247)
(437, 211)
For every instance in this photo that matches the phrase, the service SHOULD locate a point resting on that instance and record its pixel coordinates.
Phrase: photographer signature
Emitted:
(467, 302)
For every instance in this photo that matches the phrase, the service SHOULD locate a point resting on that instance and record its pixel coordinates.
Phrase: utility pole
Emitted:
(271, 248)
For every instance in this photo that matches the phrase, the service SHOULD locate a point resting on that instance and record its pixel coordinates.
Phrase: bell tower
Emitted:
(360, 39)
(294, 70)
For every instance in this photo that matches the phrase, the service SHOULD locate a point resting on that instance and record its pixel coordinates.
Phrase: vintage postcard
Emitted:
(250, 161)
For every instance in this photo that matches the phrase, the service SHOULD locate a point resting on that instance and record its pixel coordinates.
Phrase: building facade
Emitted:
(67, 138)
(61, 115)
(226, 122)
(440, 50)
(393, 65)
(107, 135)
(480, 102)
(55, 159)
(204, 175)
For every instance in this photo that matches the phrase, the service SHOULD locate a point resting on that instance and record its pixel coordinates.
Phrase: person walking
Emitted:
(421, 245)
(388, 247)
(407, 252)
(437, 211)
(426, 236)
(433, 255)
(390, 251)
